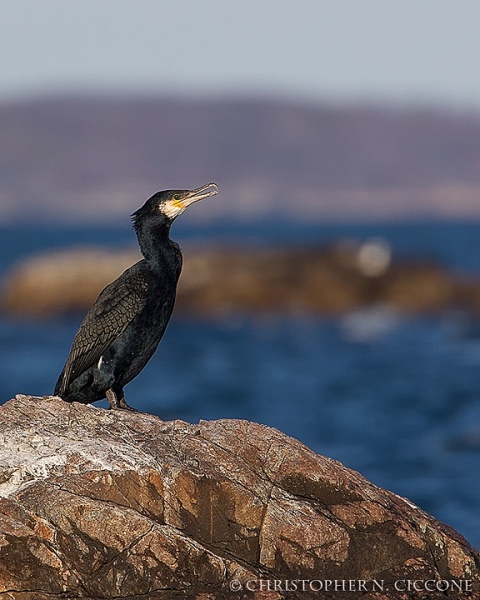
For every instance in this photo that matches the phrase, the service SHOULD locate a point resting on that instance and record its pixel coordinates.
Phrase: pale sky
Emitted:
(403, 51)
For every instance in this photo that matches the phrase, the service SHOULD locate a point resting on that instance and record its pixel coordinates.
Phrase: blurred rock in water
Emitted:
(220, 280)
(59, 282)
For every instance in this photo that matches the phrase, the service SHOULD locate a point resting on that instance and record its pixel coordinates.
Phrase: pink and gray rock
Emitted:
(116, 505)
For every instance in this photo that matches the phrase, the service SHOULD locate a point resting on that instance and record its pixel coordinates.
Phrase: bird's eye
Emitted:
(176, 197)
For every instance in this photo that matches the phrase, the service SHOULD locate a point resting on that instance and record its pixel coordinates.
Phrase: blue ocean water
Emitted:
(394, 397)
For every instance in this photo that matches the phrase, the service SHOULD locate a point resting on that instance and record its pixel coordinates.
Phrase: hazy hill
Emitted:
(84, 157)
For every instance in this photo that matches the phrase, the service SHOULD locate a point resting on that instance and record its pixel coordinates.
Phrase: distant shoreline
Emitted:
(97, 158)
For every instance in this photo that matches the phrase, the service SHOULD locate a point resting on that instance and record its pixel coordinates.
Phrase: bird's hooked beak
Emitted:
(191, 196)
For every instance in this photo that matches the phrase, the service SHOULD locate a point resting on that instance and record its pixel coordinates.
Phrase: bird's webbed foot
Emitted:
(117, 401)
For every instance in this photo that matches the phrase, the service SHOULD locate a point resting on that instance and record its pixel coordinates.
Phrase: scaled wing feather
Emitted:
(115, 308)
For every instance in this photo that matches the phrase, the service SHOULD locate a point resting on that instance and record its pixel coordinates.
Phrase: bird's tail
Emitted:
(60, 387)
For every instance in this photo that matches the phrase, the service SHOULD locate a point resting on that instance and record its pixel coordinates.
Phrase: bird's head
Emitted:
(167, 205)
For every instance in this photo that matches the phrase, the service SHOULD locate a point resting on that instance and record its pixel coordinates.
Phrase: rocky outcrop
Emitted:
(62, 281)
(102, 504)
(335, 279)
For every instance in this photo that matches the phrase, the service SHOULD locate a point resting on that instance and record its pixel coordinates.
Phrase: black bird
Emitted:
(123, 328)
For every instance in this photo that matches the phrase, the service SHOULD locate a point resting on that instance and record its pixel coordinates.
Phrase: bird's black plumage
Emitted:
(122, 330)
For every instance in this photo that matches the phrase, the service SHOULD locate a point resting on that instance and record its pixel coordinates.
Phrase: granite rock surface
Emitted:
(115, 505)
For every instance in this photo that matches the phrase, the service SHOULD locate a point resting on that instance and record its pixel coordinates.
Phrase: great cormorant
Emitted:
(123, 328)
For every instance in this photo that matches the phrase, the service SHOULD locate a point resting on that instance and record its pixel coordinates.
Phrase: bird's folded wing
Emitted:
(115, 308)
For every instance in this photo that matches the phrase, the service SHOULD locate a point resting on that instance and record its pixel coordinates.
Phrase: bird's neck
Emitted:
(154, 240)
